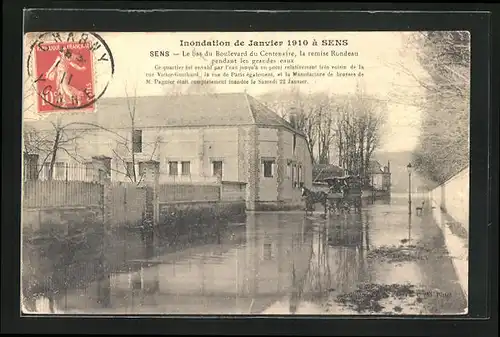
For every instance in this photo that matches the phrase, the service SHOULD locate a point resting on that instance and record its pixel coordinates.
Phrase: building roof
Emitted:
(194, 110)
(375, 167)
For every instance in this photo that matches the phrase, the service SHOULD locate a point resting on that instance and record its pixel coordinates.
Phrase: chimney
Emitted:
(388, 166)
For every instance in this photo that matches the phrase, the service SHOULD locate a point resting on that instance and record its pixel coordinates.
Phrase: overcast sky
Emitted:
(377, 52)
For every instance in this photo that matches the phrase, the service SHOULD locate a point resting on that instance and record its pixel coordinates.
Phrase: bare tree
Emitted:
(282, 101)
(443, 147)
(309, 113)
(325, 116)
(346, 135)
(66, 137)
(350, 123)
(129, 145)
(48, 143)
(358, 130)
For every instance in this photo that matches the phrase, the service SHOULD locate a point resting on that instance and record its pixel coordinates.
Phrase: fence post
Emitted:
(102, 165)
(107, 199)
(151, 179)
(104, 281)
(66, 185)
(30, 166)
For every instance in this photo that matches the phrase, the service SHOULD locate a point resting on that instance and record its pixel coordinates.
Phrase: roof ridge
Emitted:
(272, 114)
(250, 110)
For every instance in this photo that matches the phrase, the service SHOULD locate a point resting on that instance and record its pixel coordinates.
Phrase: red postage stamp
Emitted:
(69, 71)
(65, 76)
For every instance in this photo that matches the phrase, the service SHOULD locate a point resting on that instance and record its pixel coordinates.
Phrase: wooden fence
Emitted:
(54, 200)
(120, 203)
(56, 193)
(126, 203)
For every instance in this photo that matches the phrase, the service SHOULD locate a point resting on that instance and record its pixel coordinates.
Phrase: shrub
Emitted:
(269, 207)
(56, 258)
(197, 221)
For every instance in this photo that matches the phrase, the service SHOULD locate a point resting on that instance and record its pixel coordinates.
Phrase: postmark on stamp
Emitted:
(69, 71)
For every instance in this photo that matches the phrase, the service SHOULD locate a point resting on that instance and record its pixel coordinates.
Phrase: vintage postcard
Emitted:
(246, 173)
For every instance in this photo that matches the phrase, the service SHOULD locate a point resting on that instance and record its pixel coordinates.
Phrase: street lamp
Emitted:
(373, 187)
(409, 167)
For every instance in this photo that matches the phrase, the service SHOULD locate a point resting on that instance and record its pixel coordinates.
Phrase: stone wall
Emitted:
(453, 197)
(36, 219)
(253, 170)
(450, 203)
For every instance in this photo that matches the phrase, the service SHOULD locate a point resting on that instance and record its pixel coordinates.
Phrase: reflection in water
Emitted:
(252, 267)
(279, 262)
(368, 217)
(346, 244)
(337, 263)
(103, 283)
(301, 254)
(409, 228)
(272, 257)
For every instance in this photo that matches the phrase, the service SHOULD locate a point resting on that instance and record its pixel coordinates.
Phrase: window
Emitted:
(217, 168)
(297, 179)
(59, 170)
(186, 168)
(137, 141)
(299, 175)
(172, 168)
(289, 169)
(268, 168)
(268, 251)
(294, 181)
(136, 280)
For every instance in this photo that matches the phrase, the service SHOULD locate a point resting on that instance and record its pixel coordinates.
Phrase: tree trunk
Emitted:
(361, 154)
(340, 144)
(53, 158)
(134, 175)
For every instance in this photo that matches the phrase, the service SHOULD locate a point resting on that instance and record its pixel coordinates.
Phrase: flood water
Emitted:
(275, 263)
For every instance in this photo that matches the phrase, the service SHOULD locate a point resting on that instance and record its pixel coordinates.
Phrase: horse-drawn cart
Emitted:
(344, 193)
(335, 194)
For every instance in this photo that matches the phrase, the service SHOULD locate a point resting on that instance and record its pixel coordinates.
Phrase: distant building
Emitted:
(193, 138)
(323, 171)
(380, 176)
